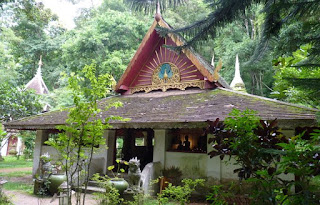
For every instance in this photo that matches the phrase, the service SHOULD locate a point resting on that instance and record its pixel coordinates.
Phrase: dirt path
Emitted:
(9, 170)
(19, 198)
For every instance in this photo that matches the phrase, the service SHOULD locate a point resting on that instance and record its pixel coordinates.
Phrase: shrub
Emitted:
(181, 193)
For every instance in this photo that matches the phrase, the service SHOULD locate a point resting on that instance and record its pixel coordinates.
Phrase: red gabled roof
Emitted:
(151, 53)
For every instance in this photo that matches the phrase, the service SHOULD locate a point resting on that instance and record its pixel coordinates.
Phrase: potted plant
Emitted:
(117, 181)
(56, 178)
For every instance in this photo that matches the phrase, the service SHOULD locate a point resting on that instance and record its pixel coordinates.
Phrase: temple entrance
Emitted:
(135, 143)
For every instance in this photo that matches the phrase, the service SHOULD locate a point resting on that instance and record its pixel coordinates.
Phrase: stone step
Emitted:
(93, 189)
(93, 183)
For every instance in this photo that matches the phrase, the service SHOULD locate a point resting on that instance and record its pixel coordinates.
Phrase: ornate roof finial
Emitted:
(157, 16)
(37, 82)
(237, 83)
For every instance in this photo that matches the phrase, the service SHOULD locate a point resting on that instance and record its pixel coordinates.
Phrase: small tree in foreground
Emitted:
(264, 153)
(84, 128)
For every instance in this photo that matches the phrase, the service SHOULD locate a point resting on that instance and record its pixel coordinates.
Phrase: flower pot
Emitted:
(119, 183)
(55, 181)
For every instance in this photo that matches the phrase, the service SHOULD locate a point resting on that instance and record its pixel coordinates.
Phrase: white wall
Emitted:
(99, 159)
(4, 145)
(192, 165)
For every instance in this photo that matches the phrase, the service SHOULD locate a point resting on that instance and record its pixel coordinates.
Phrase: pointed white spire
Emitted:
(237, 82)
(212, 61)
(39, 68)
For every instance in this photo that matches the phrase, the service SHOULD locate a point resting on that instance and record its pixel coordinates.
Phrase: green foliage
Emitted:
(181, 193)
(34, 32)
(17, 103)
(111, 196)
(84, 128)
(264, 154)
(244, 136)
(216, 196)
(149, 6)
(138, 199)
(119, 169)
(4, 200)
(296, 83)
(28, 138)
(110, 38)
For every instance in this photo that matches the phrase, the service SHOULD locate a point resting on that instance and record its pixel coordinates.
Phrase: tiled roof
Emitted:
(177, 107)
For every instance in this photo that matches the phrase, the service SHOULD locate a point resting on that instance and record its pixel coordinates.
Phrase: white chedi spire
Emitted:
(212, 61)
(40, 65)
(237, 83)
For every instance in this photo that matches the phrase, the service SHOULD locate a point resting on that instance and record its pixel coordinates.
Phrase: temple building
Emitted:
(169, 98)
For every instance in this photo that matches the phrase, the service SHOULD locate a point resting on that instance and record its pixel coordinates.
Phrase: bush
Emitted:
(181, 193)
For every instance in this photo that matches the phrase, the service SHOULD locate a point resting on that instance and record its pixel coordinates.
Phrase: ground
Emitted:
(19, 187)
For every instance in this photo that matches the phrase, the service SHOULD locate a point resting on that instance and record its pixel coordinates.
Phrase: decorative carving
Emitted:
(166, 73)
(165, 87)
(166, 76)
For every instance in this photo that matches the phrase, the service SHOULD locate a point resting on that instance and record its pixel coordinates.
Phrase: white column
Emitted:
(110, 136)
(213, 164)
(19, 146)
(40, 138)
(4, 145)
(160, 146)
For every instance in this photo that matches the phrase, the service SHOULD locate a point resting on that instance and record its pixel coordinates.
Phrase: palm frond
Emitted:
(149, 6)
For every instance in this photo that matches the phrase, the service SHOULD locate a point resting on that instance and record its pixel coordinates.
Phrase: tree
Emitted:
(34, 31)
(84, 128)
(17, 102)
(109, 38)
(294, 82)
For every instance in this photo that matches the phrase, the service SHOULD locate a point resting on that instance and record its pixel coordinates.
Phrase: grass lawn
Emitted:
(13, 162)
(19, 186)
(17, 180)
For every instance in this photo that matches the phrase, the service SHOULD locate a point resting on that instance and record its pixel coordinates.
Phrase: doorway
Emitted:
(132, 143)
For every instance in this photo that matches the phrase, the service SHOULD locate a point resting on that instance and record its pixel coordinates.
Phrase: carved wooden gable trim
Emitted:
(166, 69)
